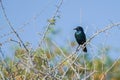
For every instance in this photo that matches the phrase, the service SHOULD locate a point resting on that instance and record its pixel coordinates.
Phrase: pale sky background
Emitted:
(90, 14)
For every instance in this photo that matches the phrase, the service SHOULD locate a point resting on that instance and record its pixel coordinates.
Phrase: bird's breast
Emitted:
(78, 33)
(80, 37)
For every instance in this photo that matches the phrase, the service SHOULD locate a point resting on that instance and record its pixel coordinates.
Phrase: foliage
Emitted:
(46, 63)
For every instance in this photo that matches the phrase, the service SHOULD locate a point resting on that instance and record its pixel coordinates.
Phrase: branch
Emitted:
(87, 42)
(28, 21)
(11, 26)
(49, 24)
(110, 68)
(97, 33)
(68, 61)
(89, 75)
(103, 30)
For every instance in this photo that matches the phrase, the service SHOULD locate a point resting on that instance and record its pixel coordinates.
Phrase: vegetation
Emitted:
(55, 63)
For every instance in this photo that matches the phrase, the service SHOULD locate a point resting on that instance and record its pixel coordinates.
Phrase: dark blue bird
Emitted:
(80, 37)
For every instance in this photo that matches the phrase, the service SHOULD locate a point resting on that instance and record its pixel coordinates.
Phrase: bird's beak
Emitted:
(74, 29)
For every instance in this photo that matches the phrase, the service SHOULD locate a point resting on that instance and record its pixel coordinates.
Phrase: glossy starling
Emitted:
(80, 36)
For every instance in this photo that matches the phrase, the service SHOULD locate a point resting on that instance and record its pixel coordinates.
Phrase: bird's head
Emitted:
(78, 28)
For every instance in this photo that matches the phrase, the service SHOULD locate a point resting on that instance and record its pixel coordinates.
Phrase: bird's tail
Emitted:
(85, 49)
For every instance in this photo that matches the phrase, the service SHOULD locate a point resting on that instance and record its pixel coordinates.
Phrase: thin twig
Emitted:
(103, 30)
(27, 22)
(49, 24)
(84, 61)
(15, 42)
(87, 42)
(110, 68)
(89, 75)
(11, 26)
(69, 61)
(2, 75)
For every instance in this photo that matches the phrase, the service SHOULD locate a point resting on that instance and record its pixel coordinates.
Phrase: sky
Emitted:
(29, 18)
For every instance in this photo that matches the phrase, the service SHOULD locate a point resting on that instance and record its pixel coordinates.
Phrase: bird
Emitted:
(80, 37)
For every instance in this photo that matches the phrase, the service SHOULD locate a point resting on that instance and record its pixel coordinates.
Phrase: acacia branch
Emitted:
(49, 24)
(88, 41)
(68, 61)
(110, 68)
(11, 26)
(89, 75)
(102, 30)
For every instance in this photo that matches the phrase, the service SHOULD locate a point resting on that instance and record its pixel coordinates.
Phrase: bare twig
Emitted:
(84, 61)
(2, 75)
(112, 65)
(97, 33)
(11, 26)
(2, 57)
(89, 75)
(69, 60)
(27, 22)
(103, 30)
(110, 68)
(87, 42)
(15, 41)
(49, 24)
